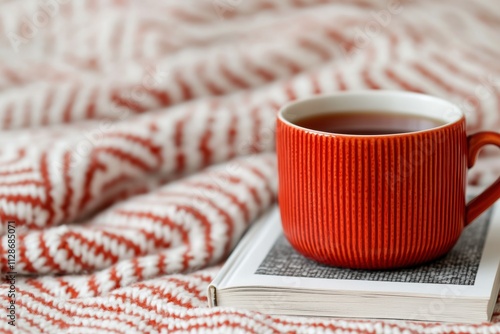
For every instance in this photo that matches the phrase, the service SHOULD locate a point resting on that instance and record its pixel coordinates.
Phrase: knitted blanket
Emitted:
(137, 139)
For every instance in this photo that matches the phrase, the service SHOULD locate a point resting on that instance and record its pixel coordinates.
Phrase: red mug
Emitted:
(377, 201)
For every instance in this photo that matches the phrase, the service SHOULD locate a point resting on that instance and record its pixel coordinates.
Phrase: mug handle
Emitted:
(486, 199)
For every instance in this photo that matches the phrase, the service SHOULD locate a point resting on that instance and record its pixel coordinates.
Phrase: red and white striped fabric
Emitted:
(114, 111)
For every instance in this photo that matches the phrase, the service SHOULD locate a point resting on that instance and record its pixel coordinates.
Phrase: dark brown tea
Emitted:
(368, 123)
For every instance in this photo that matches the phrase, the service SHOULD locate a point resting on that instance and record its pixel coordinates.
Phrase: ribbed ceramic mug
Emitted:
(381, 201)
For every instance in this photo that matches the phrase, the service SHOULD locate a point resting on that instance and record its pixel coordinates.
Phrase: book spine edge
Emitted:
(212, 296)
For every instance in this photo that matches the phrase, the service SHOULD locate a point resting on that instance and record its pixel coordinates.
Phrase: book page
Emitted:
(468, 270)
(459, 266)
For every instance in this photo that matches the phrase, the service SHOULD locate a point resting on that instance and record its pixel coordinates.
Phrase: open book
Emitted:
(265, 274)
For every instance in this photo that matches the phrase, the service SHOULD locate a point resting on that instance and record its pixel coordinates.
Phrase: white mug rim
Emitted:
(386, 94)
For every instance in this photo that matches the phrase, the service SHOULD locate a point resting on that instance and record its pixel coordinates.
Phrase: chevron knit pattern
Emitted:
(137, 138)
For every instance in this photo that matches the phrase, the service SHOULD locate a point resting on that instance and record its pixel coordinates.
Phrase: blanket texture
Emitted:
(137, 139)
